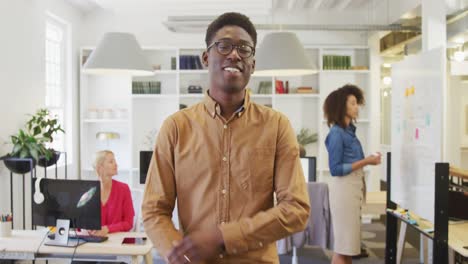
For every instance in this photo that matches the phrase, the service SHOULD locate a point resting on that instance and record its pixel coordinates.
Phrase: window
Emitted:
(57, 66)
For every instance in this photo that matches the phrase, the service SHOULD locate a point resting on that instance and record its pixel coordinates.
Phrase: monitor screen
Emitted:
(309, 167)
(76, 200)
(145, 159)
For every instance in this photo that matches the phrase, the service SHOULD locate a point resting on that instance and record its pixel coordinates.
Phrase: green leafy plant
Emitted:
(306, 137)
(44, 126)
(26, 145)
(31, 142)
(150, 139)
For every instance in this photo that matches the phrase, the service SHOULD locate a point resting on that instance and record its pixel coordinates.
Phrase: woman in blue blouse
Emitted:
(346, 161)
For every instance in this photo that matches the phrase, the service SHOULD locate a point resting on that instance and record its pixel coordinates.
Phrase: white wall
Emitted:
(457, 120)
(22, 72)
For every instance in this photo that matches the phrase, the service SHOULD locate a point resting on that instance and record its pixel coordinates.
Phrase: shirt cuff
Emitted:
(234, 241)
(347, 168)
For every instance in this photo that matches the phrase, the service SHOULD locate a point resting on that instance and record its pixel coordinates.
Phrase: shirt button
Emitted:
(225, 126)
(222, 223)
(223, 191)
(260, 244)
(234, 251)
(221, 256)
(224, 159)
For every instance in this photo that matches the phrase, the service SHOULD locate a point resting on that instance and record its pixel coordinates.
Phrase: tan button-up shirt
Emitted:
(224, 173)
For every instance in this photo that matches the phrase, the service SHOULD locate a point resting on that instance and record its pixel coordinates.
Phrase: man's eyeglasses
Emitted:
(225, 48)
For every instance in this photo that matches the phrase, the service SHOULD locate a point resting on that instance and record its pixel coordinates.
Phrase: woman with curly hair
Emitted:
(346, 161)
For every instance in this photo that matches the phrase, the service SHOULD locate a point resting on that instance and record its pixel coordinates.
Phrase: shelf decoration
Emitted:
(305, 137)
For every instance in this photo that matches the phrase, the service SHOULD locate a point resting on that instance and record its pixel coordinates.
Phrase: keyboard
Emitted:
(87, 238)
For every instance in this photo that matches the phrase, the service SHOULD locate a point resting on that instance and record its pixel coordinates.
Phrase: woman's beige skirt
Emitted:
(346, 197)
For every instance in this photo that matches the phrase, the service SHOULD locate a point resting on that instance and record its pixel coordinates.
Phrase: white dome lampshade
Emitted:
(282, 54)
(118, 53)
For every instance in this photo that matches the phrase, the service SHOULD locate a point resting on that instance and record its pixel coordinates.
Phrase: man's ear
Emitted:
(205, 58)
(252, 70)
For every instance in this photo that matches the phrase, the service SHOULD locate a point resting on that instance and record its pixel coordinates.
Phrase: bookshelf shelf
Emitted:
(147, 112)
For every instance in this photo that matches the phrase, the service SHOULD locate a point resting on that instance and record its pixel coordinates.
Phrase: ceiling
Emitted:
(201, 7)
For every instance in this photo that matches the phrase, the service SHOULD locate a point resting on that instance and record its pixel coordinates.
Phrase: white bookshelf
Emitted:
(146, 112)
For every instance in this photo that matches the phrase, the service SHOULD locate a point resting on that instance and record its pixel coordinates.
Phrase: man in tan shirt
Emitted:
(223, 159)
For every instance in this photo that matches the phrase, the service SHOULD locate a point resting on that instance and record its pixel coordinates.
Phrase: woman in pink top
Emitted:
(116, 201)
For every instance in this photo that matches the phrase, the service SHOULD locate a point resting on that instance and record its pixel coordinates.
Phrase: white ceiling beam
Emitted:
(343, 4)
(301, 4)
(291, 4)
(276, 4)
(317, 4)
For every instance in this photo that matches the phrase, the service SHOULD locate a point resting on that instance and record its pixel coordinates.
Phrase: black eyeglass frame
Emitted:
(232, 48)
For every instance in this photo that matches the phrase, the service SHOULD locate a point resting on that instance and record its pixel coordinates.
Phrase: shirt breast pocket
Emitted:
(261, 166)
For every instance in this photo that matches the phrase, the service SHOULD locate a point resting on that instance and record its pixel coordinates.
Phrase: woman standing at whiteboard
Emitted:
(346, 161)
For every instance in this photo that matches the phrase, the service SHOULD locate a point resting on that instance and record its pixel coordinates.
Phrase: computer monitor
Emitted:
(76, 200)
(145, 159)
(309, 167)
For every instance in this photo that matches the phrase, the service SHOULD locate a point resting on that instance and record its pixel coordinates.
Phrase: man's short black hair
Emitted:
(231, 19)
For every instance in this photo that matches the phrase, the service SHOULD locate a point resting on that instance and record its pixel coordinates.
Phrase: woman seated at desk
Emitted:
(116, 201)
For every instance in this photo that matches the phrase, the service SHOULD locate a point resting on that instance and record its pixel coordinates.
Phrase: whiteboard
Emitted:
(417, 110)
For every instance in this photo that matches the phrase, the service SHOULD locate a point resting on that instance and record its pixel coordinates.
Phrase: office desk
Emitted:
(458, 238)
(28, 244)
(23, 244)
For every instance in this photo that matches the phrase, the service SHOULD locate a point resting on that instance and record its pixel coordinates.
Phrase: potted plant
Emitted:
(30, 143)
(25, 146)
(44, 126)
(305, 137)
(146, 155)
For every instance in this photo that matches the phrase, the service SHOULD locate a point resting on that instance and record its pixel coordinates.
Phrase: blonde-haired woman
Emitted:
(116, 201)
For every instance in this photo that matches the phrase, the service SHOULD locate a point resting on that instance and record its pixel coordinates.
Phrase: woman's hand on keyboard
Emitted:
(103, 232)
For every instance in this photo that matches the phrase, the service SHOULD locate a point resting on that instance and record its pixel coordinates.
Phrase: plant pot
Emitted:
(43, 162)
(18, 166)
(302, 151)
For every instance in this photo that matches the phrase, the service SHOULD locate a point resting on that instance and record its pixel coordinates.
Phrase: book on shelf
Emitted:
(279, 87)
(359, 68)
(306, 90)
(336, 62)
(190, 62)
(264, 87)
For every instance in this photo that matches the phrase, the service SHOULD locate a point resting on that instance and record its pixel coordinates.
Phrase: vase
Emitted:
(43, 162)
(302, 151)
(18, 165)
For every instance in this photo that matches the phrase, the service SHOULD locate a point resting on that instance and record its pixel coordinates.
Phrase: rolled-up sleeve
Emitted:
(291, 213)
(335, 148)
(160, 191)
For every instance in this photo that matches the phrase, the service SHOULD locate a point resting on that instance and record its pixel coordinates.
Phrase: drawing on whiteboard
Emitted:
(416, 132)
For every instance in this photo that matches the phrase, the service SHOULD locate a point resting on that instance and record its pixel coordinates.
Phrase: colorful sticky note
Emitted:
(428, 120)
(417, 133)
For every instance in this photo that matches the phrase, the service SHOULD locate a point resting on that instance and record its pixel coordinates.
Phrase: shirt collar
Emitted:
(351, 127)
(214, 108)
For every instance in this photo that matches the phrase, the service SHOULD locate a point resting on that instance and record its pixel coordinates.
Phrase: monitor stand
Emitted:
(62, 238)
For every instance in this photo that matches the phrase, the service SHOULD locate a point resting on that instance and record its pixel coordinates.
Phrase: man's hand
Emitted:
(196, 247)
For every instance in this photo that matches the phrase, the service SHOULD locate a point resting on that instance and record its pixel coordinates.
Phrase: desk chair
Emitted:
(137, 198)
(318, 231)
